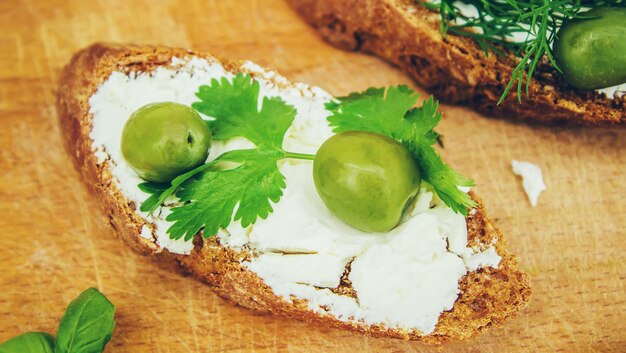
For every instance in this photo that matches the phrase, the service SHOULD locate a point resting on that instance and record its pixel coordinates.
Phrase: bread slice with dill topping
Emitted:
(455, 68)
(486, 297)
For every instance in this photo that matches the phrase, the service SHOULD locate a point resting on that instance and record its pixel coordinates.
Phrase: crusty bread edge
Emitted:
(221, 267)
(454, 68)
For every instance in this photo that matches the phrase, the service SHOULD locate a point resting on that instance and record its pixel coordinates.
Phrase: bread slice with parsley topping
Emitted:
(455, 68)
(486, 296)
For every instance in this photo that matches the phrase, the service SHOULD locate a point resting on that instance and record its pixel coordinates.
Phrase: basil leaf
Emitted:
(30, 342)
(87, 325)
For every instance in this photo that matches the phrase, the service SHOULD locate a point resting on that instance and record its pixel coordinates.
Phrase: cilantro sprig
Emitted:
(240, 185)
(212, 192)
(390, 112)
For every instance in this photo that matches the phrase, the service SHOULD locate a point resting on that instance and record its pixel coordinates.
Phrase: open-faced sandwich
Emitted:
(543, 61)
(285, 199)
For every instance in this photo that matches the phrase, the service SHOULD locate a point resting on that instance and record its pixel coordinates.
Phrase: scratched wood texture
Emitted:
(54, 242)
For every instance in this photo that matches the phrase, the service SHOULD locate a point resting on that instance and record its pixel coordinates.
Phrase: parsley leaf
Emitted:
(211, 192)
(155, 190)
(377, 108)
(214, 194)
(389, 112)
(160, 192)
(235, 107)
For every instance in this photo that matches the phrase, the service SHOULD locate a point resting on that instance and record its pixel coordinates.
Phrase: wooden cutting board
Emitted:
(54, 242)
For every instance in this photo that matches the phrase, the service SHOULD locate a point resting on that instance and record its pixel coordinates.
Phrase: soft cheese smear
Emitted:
(532, 179)
(403, 279)
(614, 91)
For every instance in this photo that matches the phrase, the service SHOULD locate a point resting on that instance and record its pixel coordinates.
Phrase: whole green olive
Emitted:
(163, 140)
(365, 179)
(591, 51)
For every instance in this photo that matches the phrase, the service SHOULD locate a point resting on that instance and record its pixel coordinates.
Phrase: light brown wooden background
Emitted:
(54, 242)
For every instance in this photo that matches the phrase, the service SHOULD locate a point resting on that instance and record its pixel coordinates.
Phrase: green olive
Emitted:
(591, 52)
(163, 140)
(365, 179)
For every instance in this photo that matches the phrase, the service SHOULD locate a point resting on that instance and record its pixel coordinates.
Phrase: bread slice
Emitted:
(487, 296)
(454, 68)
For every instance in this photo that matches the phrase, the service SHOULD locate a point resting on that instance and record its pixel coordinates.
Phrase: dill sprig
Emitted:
(525, 27)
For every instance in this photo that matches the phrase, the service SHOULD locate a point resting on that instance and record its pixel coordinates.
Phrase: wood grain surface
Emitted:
(54, 242)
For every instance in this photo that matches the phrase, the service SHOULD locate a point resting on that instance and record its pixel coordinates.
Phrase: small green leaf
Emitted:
(390, 112)
(87, 325)
(443, 179)
(155, 190)
(30, 342)
(374, 110)
(214, 194)
(235, 107)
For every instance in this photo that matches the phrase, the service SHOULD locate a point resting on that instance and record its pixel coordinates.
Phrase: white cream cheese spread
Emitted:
(532, 180)
(403, 279)
(619, 91)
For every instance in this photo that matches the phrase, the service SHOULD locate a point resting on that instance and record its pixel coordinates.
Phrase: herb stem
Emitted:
(308, 157)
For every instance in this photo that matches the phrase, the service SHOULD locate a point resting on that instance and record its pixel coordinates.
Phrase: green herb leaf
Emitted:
(30, 342)
(214, 194)
(443, 178)
(389, 112)
(160, 192)
(213, 191)
(87, 325)
(155, 190)
(370, 110)
(235, 107)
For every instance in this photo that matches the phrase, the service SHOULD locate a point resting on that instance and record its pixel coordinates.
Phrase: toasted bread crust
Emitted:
(488, 296)
(454, 68)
